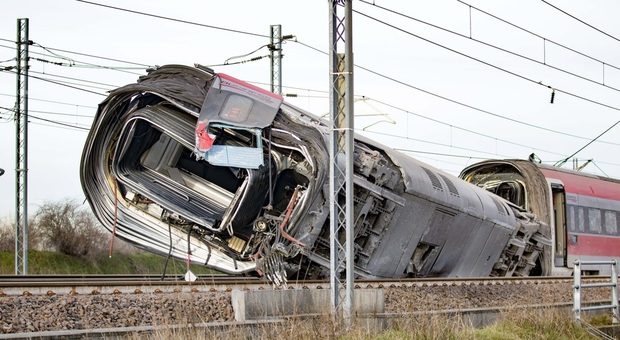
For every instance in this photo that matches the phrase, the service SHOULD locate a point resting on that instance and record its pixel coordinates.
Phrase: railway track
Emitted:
(12, 285)
(67, 302)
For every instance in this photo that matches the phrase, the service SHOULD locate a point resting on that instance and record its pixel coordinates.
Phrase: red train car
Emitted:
(582, 210)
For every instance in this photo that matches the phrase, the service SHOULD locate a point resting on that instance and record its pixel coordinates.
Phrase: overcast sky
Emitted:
(455, 137)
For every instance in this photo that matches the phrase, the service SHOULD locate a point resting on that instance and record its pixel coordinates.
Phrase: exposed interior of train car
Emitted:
(582, 210)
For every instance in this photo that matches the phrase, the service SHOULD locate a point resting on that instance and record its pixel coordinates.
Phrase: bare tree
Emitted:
(7, 235)
(69, 229)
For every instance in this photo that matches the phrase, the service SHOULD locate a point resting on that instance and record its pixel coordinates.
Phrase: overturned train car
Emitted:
(222, 173)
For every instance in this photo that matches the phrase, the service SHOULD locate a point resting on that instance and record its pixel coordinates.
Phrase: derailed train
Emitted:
(214, 170)
(582, 209)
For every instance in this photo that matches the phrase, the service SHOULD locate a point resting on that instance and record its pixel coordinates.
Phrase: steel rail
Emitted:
(132, 284)
(7, 280)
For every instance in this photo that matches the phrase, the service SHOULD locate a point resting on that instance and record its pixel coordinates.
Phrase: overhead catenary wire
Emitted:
(66, 124)
(499, 68)
(288, 87)
(440, 154)
(50, 101)
(84, 1)
(73, 78)
(522, 56)
(60, 84)
(544, 38)
(562, 162)
(601, 170)
(52, 113)
(70, 60)
(582, 21)
(314, 48)
(433, 143)
(88, 55)
(240, 61)
(66, 82)
(7, 60)
(67, 85)
(79, 64)
(463, 129)
(246, 54)
(460, 103)
(69, 128)
(174, 19)
(83, 64)
(50, 121)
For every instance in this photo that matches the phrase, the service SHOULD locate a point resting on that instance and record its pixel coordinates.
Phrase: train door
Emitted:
(558, 201)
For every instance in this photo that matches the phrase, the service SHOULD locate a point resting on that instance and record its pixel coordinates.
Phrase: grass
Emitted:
(513, 325)
(534, 324)
(45, 262)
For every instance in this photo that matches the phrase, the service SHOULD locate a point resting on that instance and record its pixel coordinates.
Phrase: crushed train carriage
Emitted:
(225, 174)
(582, 210)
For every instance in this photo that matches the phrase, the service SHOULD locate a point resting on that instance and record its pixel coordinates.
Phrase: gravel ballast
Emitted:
(66, 312)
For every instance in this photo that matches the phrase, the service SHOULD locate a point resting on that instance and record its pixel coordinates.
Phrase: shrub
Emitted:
(7, 235)
(69, 229)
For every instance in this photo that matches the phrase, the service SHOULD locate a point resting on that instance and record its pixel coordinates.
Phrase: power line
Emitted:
(62, 114)
(560, 163)
(462, 129)
(65, 82)
(601, 170)
(457, 102)
(89, 55)
(52, 113)
(71, 85)
(59, 123)
(174, 19)
(517, 75)
(84, 64)
(240, 62)
(440, 154)
(289, 87)
(434, 143)
(65, 124)
(72, 78)
(545, 39)
(581, 21)
(71, 61)
(522, 56)
(49, 101)
(10, 116)
(76, 63)
(61, 84)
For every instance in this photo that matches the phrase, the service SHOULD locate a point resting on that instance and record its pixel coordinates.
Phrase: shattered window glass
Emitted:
(236, 108)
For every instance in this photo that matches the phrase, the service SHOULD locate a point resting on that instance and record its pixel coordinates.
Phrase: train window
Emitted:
(581, 221)
(571, 218)
(594, 219)
(611, 225)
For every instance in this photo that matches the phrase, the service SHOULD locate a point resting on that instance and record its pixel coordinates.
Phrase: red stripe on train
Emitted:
(594, 245)
(584, 185)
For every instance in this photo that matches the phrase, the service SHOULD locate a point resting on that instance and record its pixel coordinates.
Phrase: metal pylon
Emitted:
(275, 49)
(21, 150)
(341, 157)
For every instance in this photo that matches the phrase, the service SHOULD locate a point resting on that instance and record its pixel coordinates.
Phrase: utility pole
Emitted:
(341, 157)
(275, 49)
(21, 150)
